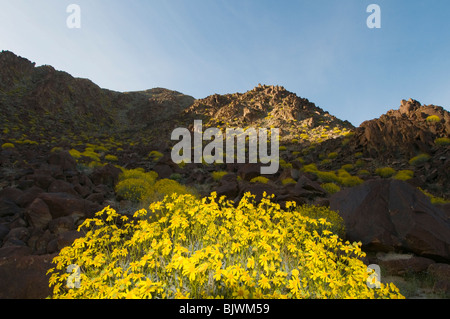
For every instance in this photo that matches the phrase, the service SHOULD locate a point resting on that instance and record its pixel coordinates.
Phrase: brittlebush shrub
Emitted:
(260, 179)
(184, 247)
(217, 176)
(385, 172)
(136, 185)
(331, 188)
(404, 175)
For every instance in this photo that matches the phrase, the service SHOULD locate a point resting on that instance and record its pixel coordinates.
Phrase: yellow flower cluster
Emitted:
(183, 247)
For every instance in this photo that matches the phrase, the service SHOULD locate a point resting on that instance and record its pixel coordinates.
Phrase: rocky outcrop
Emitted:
(392, 215)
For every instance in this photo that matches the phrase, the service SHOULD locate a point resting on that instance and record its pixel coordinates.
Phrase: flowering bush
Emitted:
(184, 247)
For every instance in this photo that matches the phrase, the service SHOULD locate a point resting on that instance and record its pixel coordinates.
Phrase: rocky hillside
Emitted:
(65, 141)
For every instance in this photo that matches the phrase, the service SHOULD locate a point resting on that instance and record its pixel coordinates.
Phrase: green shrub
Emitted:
(351, 181)
(217, 176)
(433, 119)
(175, 176)
(91, 154)
(310, 168)
(260, 179)
(282, 148)
(404, 175)
(155, 155)
(8, 146)
(385, 172)
(342, 173)
(359, 155)
(111, 158)
(332, 155)
(434, 199)
(442, 141)
(139, 173)
(360, 163)
(284, 164)
(363, 172)
(347, 167)
(419, 159)
(331, 188)
(134, 189)
(288, 181)
(338, 225)
(167, 187)
(325, 162)
(327, 177)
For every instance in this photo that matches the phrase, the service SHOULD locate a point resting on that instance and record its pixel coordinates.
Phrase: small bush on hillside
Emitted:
(442, 141)
(260, 179)
(331, 188)
(111, 158)
(327, 177)
(419, 159)
(310, 168)
(404, 175)
(351, 181)
(217, 176)
(385, 172)
(433, 119)
(8, 146)
(289, 181)
(332, 155)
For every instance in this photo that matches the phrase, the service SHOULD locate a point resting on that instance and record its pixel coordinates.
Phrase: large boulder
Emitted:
(63, 204)
(389, 215)
(24, 277)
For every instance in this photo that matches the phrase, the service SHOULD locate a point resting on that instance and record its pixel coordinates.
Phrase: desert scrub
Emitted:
(433, 119)
(333, 155)
(155, 156)
(404, 175)
(327, 177)
(8, 146)
(111, 158)
(331, 188)
(442, 141)
(260, 179)
(434, 199)
(167, 187)
(351, 181)
(289, 181)
(184, 247)
(385, 172)
(136, 185)
(419, 159)
(310, 168)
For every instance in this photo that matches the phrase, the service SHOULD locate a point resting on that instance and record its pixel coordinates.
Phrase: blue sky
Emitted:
(321, 50)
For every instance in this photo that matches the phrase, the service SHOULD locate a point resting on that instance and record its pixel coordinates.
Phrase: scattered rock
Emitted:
(62, 204)
(386, 215)
(24, 277)
(38, 214)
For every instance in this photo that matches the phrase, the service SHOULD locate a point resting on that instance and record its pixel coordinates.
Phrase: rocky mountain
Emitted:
(64, 141)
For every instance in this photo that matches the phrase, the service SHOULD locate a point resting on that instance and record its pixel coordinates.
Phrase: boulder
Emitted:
(59, 186)
(107, 175)
(228, 187)
(249, 171)
(8, 208)
(24, 277)
(38, 214)
(63, 159)
(441, 275)
(11, 194)
(63, 204)
(389, 215)
(29, 196)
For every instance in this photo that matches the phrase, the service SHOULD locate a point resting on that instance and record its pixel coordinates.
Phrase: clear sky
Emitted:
(319, 49)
